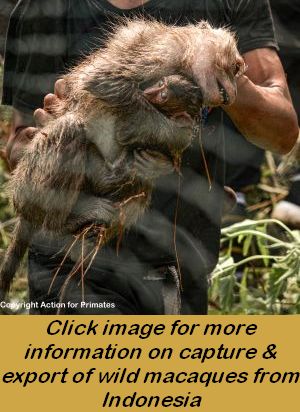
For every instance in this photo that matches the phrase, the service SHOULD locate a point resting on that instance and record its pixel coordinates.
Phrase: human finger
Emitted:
(60, 88)
(42, 117)
(15, 150)
(50, 100)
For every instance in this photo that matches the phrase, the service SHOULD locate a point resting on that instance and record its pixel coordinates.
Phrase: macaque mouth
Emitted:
(223, 94)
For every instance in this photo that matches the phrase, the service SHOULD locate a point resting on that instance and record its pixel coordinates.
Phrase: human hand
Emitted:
(22, 134)
(43, 116)
(150, 164)
(17, 144)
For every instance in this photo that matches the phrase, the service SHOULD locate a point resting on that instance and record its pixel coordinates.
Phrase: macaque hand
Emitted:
(152, 164)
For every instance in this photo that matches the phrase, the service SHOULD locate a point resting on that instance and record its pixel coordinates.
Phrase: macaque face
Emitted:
(176, 97)
(215, 67)
(203, 64)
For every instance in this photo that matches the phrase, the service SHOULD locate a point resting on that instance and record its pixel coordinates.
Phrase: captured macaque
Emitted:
(140, 93)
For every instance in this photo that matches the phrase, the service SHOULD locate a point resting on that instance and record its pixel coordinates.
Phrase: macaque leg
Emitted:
(47, 181)
(103, 177)
(110, 194)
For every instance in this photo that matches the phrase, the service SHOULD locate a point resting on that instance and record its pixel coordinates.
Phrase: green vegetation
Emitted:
(258, 271)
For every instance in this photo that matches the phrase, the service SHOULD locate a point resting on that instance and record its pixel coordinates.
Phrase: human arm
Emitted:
(263, 110)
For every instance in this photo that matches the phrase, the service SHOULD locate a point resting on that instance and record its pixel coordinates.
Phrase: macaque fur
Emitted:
(79, 168)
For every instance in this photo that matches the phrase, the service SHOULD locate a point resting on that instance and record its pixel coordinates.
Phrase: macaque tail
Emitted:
(22, 235)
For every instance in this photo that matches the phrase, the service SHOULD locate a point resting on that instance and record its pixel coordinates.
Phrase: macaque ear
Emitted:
(158, 93)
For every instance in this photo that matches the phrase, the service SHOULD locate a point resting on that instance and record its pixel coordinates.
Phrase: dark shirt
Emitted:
(286, 15)
(45, 38)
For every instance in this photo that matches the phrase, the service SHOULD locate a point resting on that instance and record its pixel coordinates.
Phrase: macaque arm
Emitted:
(91, 209)
(154, 130)
(263, 110)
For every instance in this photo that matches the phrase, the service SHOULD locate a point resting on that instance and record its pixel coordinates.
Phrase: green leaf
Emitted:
(226, 291)
(244, 292)
(263, 249)
(247, 244)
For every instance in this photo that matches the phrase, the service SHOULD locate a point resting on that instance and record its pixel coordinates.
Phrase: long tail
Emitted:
(23, 233)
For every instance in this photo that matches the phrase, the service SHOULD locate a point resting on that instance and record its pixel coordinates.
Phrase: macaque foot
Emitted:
(151, 164)
(90, 209)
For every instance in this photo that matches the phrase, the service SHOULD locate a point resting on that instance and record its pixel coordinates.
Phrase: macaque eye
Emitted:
(161, 83)
(239, 68)
(236, 69)
(164, 94)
